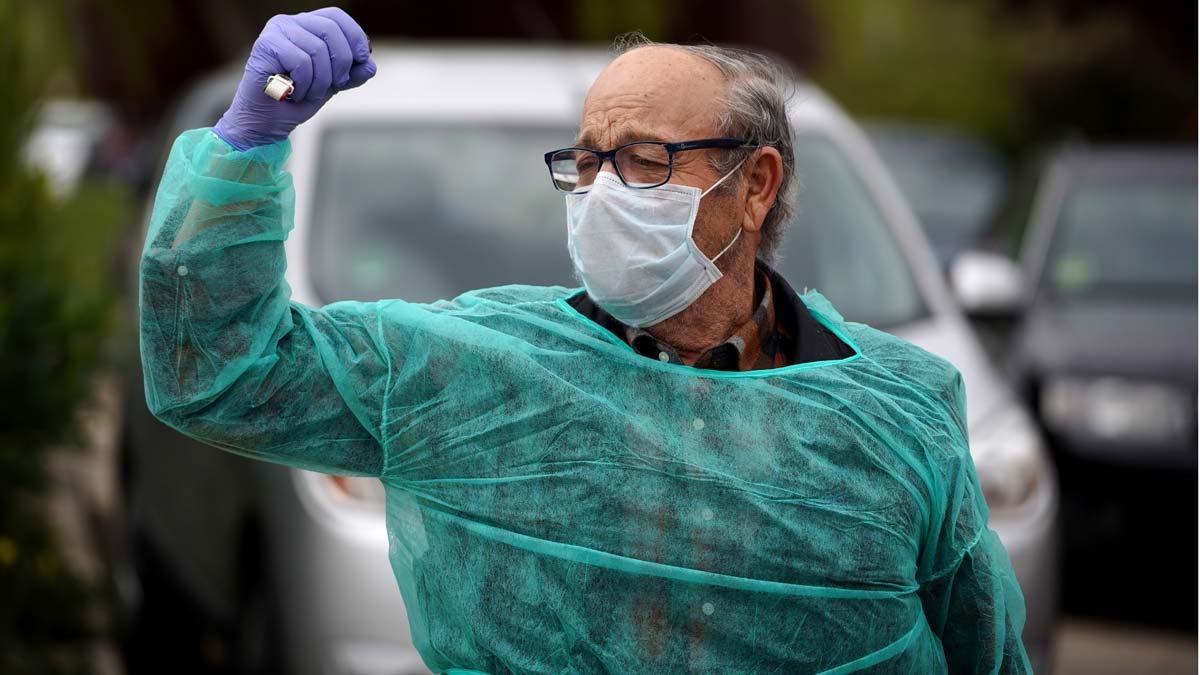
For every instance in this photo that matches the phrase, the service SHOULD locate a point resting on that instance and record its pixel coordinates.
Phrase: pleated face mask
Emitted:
(633, 250)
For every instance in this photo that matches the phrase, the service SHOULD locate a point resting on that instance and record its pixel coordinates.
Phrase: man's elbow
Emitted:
(192, 416)
(176, 396)
(166, 404)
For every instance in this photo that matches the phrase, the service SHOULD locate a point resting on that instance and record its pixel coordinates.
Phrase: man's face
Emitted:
(665, 94)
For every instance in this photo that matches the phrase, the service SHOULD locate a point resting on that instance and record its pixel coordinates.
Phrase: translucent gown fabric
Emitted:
(556, 502)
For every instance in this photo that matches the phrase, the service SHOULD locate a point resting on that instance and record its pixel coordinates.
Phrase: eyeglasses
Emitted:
(641, 164)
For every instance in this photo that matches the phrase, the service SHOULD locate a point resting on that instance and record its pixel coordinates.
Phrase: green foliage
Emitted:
(1104, 76)
(601, 21)
(22, 77)
(56, 308)
(1017, 76)
(923, 60)
(56, 311)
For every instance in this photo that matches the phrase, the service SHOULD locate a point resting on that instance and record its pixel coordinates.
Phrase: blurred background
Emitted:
(1010, 183)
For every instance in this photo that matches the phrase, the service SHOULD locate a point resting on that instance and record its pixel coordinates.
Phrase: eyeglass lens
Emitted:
(638, 163)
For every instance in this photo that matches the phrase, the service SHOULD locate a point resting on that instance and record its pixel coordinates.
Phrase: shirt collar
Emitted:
(798, 336)
(739, 351)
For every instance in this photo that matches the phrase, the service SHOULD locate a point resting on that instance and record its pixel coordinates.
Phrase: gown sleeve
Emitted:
(969, 590)
(227, 357)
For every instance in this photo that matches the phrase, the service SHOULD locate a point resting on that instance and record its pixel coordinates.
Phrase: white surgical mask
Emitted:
(632, 248)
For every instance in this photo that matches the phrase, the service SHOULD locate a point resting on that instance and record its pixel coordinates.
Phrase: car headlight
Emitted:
(356, 492)
(1115, 409)
(1007, 449)
(353, 508)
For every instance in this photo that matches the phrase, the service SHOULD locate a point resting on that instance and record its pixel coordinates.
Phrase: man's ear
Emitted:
(764, 176)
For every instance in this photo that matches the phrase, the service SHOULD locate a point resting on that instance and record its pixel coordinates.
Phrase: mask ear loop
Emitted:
(722, 180)
(729, 245)
(710, 189)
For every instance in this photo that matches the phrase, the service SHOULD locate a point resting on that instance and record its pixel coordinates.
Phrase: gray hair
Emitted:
(753, 108)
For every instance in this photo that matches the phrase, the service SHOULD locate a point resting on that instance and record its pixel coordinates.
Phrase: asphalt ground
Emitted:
(1088, 647)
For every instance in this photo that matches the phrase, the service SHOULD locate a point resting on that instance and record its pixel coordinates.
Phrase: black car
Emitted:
(1103, 345)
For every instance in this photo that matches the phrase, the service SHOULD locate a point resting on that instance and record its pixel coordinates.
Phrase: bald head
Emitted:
(657, 93)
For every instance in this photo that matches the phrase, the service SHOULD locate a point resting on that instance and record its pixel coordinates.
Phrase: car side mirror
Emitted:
(987, 284)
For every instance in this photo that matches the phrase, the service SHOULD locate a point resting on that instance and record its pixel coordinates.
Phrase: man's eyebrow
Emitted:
(587, 140)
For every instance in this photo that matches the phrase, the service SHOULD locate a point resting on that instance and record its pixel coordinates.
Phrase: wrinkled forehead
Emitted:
(652, 93)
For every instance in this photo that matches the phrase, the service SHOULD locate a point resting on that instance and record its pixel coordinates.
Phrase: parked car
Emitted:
(428, 182)
(1103, 299)
(953, 180)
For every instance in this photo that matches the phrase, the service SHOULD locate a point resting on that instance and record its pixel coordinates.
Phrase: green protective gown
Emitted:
(556, 502)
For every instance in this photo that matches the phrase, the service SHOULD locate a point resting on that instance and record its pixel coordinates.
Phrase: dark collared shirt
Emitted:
(780, 332)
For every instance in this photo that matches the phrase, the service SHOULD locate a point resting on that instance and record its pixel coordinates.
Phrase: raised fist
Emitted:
(323, 52)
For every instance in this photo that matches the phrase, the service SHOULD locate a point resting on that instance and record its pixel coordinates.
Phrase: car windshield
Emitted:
(425, 213)
(953, 183)
(1128, 236)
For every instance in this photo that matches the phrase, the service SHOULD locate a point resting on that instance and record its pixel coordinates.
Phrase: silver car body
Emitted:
(339, 604)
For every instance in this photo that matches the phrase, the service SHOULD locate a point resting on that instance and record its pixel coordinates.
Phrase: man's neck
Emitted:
(714, 316)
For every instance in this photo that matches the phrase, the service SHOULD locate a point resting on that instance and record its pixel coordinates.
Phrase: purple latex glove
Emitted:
(323, 52)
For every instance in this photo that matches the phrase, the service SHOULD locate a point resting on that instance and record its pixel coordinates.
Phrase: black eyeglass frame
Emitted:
(671, 148)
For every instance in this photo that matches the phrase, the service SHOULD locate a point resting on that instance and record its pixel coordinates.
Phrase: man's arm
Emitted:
(968, 588)
(228, 358)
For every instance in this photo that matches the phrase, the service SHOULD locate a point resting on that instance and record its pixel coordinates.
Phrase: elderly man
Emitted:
(682, 466)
